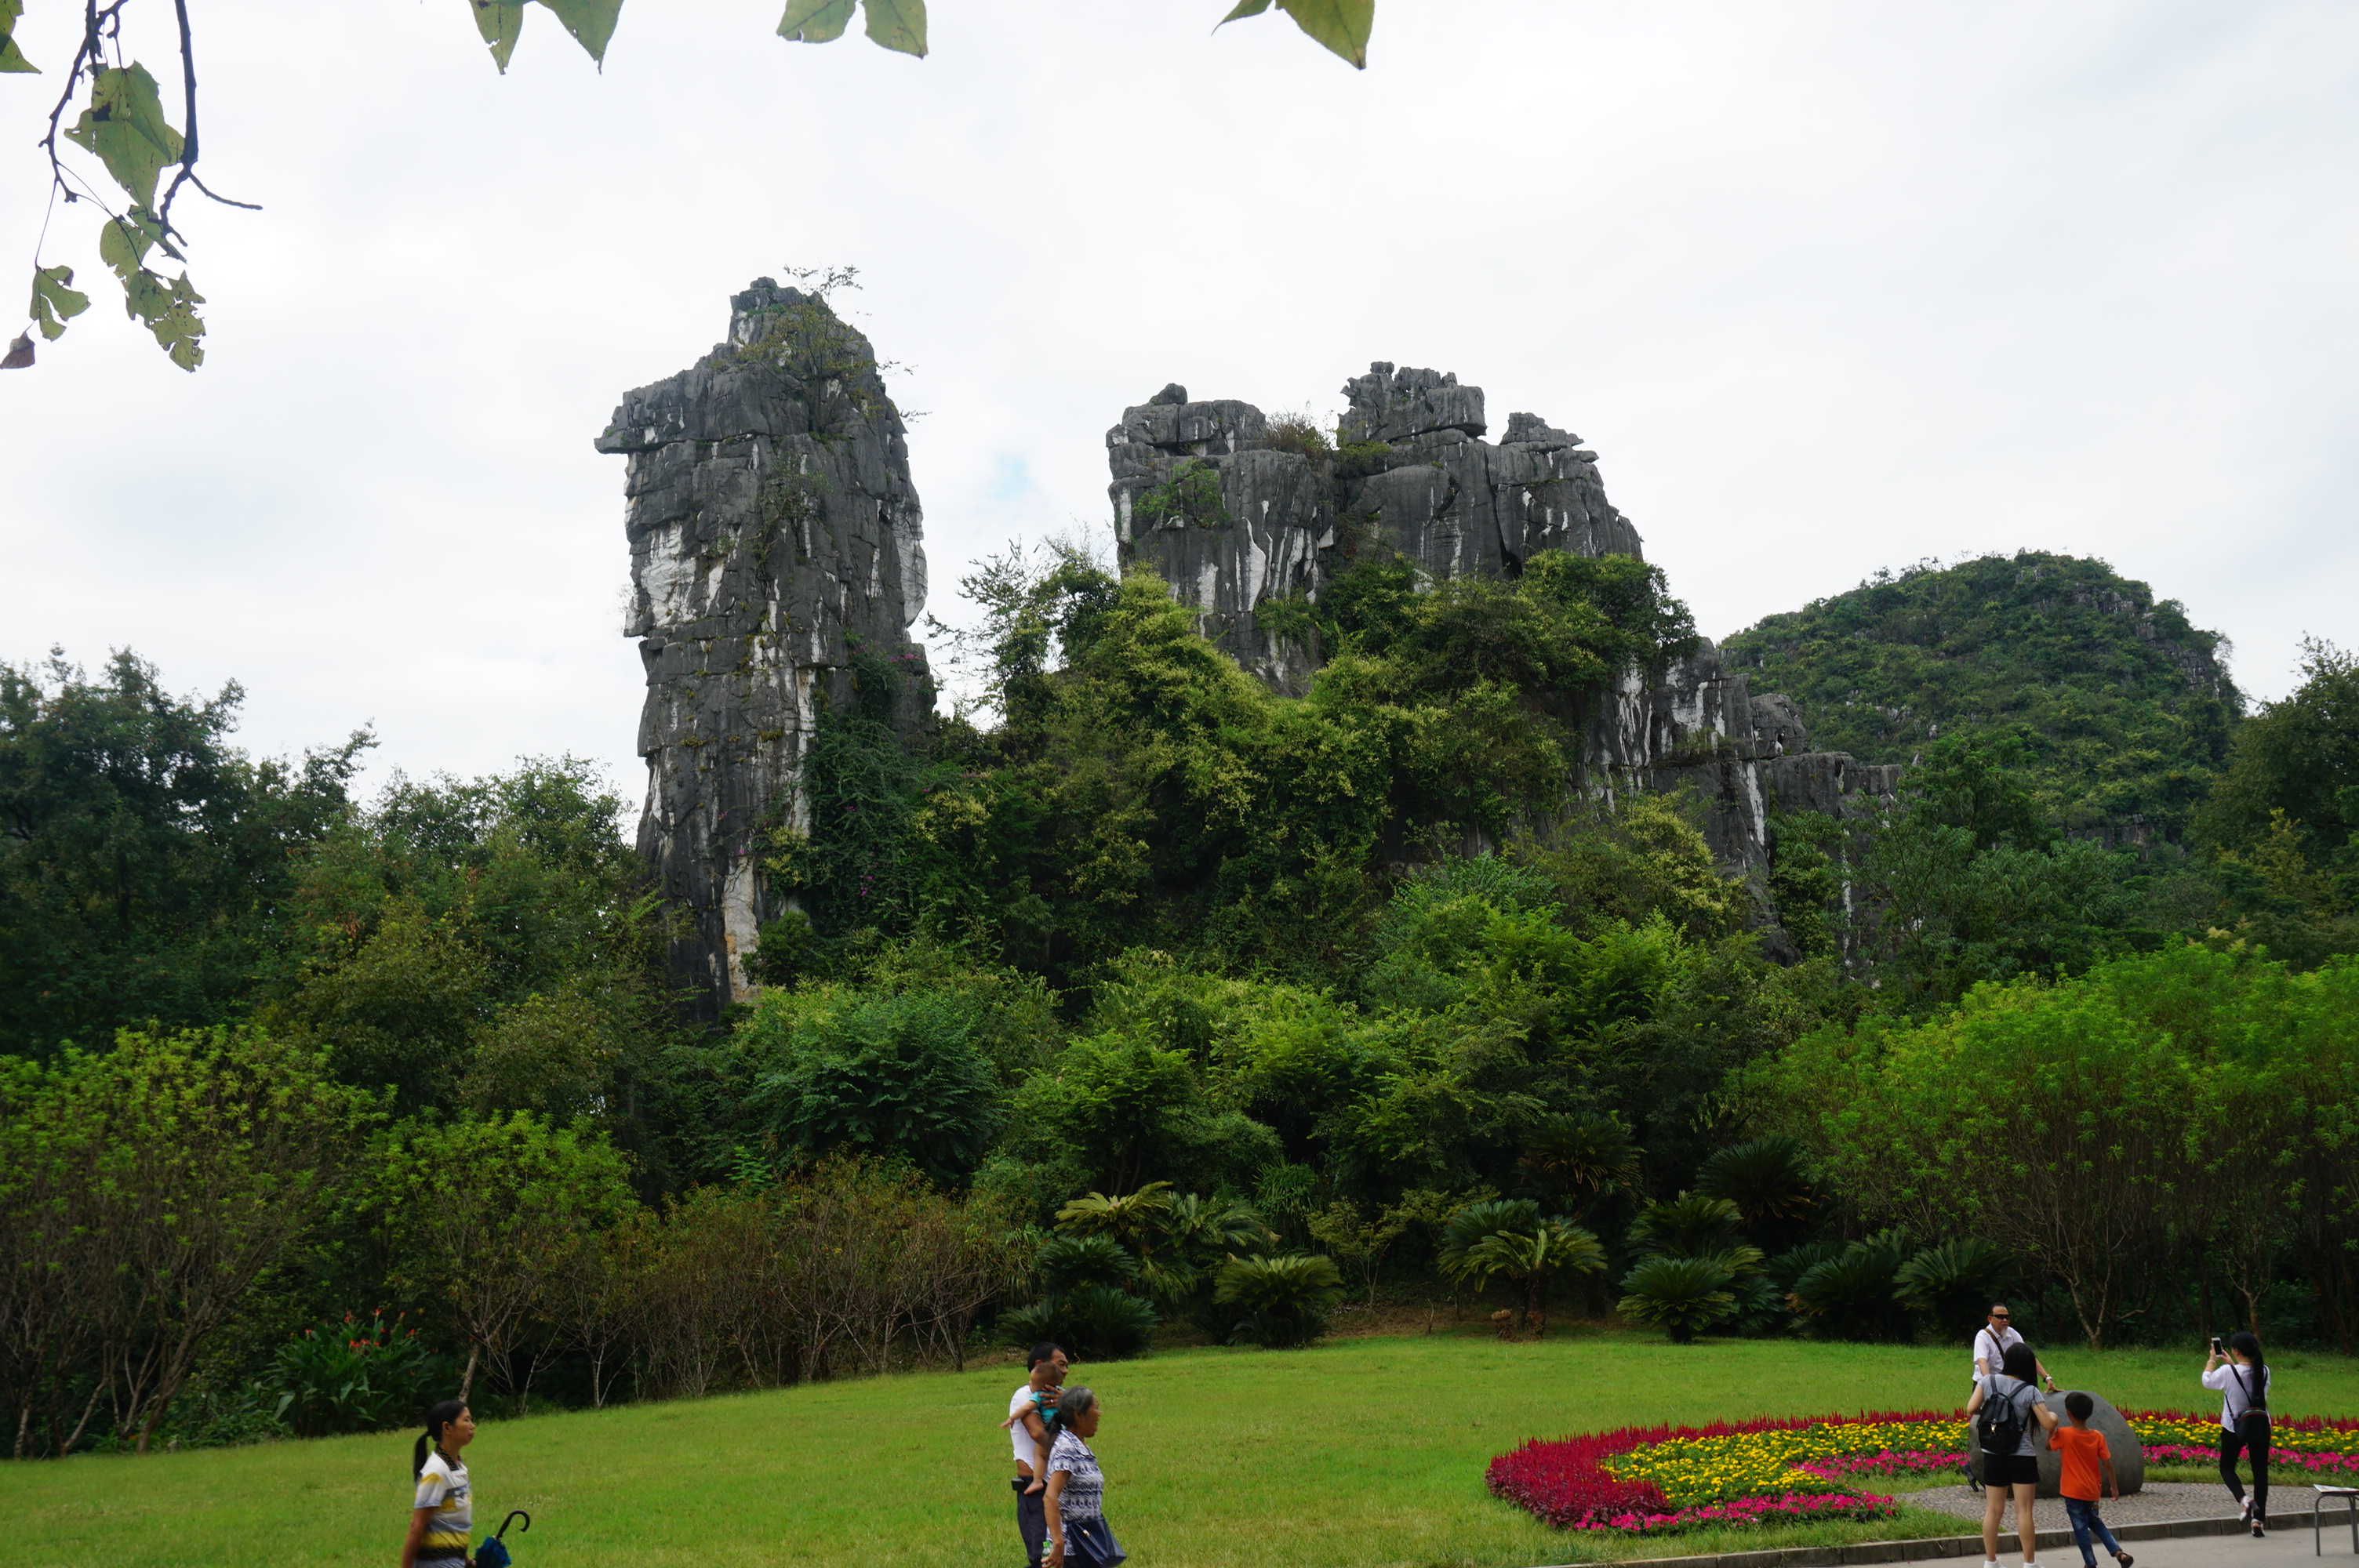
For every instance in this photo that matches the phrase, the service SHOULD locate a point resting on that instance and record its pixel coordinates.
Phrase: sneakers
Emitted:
(2245, 1515)
(2260, 1530)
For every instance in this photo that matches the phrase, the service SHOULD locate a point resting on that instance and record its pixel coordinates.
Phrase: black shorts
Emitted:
(2015, 1470)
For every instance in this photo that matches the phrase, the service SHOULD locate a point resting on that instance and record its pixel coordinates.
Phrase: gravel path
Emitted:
(2155, 1500)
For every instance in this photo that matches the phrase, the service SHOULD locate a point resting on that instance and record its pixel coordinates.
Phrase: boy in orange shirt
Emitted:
(2085, 1455)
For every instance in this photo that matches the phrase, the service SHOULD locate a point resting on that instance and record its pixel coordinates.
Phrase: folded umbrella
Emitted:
(494, 1552)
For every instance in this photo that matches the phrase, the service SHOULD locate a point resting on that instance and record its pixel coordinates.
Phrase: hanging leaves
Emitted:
(592, 23)
(499, 21)
(125, 126)
(895, 25)
(168, 309)
(816, 21)
(13, 59)
(899, 26)
(21, 352)
(1341, 25)
(55, 301)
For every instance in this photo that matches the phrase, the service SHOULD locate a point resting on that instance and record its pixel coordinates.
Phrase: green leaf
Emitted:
(816, 21)
(11, 57)
(168, 309)
(499, 21)
(899, 25)
(54, 301)
(123, 243)
(1341, 25)
(125, 126)
(592, 22)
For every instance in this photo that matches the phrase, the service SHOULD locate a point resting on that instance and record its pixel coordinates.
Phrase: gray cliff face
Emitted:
(1234, 514)
(775, 536)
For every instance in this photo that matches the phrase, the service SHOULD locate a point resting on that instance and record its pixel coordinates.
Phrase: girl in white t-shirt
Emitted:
(444, 1512)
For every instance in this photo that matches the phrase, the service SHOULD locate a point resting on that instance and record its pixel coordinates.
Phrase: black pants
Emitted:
(2254, 1439)
(1031, 1518)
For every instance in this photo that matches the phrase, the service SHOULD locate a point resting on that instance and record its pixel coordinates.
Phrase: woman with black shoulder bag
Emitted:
(2241, 1377)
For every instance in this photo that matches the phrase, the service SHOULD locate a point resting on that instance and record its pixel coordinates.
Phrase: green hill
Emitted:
(2121, 704)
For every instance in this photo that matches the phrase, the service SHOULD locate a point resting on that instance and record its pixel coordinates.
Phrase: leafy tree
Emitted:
(896, 1075)
(145, 1193)
(148, 869)
(481, 1215)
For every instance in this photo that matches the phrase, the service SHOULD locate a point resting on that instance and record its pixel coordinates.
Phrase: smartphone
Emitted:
(2217, 1348)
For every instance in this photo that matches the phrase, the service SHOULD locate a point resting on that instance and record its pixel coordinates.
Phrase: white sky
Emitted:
(1830, 286)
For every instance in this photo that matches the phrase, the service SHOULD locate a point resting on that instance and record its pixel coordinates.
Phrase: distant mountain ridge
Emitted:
(2122, 703)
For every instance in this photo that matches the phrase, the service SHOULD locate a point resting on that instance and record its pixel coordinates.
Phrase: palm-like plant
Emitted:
(1852, 1295)
(1469, 1226)
(1681, 1297)
(1131, 1218)
(1533, 1257)
(1587, 1156)
(1690, 1225)
(1766, 1179)
(1282, 1301)
(1952, 1282)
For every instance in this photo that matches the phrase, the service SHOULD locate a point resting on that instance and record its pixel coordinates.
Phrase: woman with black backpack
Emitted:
(2007, 1411)
(2242, 1379)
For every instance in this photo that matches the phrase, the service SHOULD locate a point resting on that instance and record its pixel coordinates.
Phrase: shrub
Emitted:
(1952, 1282)
(1678, 1296)
(1690, 1225)
(1850, 1295)
(348, 1376)
(1766, 1179)
(1284, 1300)
(896, 1076)
(1077, 1262)
(1466, 1229)
(1093, 1323)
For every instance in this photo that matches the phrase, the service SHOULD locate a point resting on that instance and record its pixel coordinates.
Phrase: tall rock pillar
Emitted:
(776, 544)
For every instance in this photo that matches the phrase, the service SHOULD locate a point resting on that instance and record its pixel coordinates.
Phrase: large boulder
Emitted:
(2130, 1454)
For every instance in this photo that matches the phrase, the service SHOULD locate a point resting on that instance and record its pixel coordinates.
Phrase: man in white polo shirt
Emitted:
(1992, 1340)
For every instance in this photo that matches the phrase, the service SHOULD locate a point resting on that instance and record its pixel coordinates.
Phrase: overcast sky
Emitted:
(1829, 286)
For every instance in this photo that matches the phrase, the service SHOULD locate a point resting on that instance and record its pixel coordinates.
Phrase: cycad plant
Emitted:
(1852, 1295)
(1768, 1181)
(1279, 1302)
(1682, 1296)
(1532, 1258)
(1951, 1285)
(1693, 1225)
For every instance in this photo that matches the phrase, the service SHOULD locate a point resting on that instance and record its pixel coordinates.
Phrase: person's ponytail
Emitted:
(438, 1418)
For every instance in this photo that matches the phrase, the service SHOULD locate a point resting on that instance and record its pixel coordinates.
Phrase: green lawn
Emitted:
(1356, 1455)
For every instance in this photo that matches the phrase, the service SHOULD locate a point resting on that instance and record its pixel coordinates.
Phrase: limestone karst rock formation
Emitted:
(1234, 516)
(775, 546)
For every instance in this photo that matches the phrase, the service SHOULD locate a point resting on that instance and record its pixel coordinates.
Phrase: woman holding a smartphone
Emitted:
(2242, 1379)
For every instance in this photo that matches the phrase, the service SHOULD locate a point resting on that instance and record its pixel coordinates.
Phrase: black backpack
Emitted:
(1998, 1425)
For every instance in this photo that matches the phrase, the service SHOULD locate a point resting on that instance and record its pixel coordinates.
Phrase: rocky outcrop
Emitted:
(775, 543)
(1235, 511)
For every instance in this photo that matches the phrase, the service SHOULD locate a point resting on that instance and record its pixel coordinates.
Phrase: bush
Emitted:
(1076, 1262)
(1690, 1225)
(899, 1076)
(1284, 1300)
(348, 1376)
(1850, 1295)
(1466, 1229)
(1681, 1297)
(1766, 1179)
(1093, 1323)
(1952, 1283)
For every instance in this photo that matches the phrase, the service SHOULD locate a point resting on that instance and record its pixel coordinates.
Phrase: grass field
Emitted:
(1358, 1453)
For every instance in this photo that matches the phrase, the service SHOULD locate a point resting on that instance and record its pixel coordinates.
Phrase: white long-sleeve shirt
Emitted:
(2236, 1385)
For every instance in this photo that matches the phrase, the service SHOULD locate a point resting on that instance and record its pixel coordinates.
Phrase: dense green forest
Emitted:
(1160, 1005)
(2120, 706)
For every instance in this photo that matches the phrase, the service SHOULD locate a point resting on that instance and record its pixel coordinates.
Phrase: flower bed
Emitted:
(1654, 1479)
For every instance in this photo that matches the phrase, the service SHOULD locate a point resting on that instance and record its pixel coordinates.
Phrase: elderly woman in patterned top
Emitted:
(1076, 1502)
